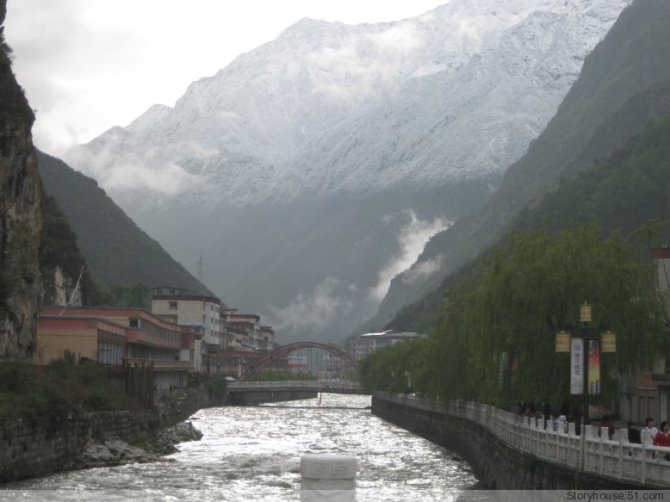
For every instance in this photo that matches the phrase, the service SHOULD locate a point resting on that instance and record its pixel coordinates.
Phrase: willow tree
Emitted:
(497, 338)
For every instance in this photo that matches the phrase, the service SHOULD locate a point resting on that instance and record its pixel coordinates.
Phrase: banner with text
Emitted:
(576, 366)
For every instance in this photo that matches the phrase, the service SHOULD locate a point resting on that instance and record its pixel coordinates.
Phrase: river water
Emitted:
(253, 453)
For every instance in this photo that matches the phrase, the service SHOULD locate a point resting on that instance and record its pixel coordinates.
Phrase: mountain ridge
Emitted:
(620, 69)
(393, 121)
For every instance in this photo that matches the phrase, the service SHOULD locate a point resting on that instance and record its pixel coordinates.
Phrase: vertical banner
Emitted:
(576, 366)
(594, 367)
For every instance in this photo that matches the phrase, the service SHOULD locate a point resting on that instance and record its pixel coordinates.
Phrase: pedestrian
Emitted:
(633, 434)
(649, 432)
(662, 437)
(607, 422)
(559, 423)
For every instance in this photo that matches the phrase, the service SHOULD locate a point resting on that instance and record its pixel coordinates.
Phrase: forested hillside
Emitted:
(494, 340)
(59, 249)
(625, 192)
(117, 251)
(623, 84)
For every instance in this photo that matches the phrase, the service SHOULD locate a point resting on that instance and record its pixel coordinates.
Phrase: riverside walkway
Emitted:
(616, 459)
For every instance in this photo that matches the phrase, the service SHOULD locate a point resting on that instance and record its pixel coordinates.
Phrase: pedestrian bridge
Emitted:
(334, 386)
(251, 372)
(245, 393)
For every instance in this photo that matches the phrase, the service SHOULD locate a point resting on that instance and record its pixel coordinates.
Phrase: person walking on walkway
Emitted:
(633, 434)
(649, 432)
(662, 437)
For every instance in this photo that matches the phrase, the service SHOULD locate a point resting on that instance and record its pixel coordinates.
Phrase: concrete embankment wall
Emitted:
(496, 465)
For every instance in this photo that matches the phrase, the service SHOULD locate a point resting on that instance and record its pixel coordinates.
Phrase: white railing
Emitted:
(616, 458)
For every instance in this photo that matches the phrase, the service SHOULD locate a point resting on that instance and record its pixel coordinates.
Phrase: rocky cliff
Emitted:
(20, 216)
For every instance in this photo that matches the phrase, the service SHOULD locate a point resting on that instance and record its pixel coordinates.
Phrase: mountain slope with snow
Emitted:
(380, 130)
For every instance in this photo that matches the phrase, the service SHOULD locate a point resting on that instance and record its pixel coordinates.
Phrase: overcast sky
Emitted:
(87, 65)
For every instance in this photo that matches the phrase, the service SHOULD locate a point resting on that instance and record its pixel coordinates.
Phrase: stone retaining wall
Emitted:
(27, 451)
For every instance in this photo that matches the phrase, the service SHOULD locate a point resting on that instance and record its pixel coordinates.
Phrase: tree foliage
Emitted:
(59, 248)
(494, 340)
(137, 295)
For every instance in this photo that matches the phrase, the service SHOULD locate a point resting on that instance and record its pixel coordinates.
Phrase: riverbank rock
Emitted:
(180, 433)
(113, 452)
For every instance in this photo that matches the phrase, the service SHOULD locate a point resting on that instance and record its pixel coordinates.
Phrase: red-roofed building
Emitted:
(110, 335)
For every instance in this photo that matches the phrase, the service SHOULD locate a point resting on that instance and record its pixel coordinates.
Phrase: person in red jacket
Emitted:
(662, 437)
(607, 422)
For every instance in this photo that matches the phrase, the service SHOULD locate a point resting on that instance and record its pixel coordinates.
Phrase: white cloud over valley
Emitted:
(412, 239)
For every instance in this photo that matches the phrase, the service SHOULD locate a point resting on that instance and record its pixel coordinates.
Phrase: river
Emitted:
(253, 453)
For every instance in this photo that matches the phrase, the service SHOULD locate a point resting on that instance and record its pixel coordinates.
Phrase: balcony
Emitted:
(160, 364)
(136, 335)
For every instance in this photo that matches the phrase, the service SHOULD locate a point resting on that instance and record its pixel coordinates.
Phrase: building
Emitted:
(113, 335)
(249, 334)
(79, 338)
(647, 393)
(267, 341)
(361, 346)
(201, 313)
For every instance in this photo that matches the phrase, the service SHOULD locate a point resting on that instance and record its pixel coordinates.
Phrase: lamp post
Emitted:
(580, 340)
(587, 334)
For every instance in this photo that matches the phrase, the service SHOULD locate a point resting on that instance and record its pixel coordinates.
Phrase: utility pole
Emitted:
(200, 267)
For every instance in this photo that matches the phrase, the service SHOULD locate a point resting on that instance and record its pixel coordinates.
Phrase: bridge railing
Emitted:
(592, 452)
(303, 384)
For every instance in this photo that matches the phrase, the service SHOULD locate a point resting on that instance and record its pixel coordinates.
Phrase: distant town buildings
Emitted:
(362, 345)
(184, 333)
(246, 331)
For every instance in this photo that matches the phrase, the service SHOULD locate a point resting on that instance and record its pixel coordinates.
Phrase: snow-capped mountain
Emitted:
(395, 118)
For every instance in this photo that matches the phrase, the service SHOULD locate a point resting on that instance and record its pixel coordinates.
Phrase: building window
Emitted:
(134, 322)
(172, 305)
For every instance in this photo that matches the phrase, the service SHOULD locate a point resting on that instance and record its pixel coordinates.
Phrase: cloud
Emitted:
(422, 269)
(117, 171)
(330, 299)
(412, 239)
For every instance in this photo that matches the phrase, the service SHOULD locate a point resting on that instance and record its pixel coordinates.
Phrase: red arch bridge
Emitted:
(314, 367)
(311, 359)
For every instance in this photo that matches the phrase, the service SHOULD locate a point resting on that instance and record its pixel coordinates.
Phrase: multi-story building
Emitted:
(249, 325)
(361, 346)
(267, 340)
(202, 313)
(112, 335)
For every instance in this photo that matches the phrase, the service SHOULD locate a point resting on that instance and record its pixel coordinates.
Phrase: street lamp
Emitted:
(581, 344)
